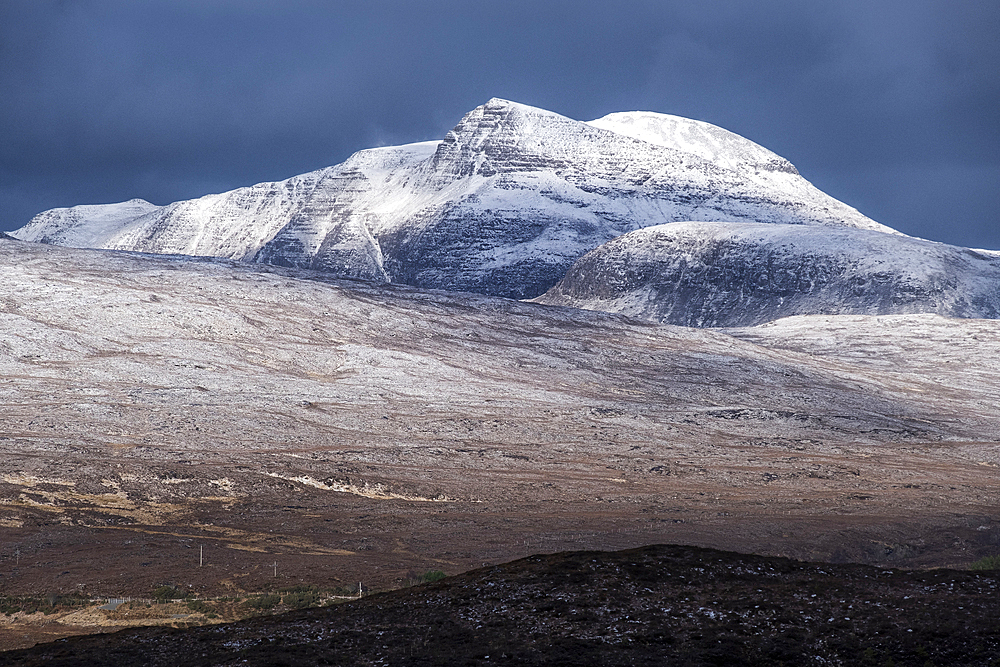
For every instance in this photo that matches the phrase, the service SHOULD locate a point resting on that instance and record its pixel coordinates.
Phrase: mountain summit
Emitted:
(503, 205)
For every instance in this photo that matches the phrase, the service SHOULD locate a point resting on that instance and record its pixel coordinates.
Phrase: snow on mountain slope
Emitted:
(743, 274)
(709, 142)
(503, 205)
(85, 226)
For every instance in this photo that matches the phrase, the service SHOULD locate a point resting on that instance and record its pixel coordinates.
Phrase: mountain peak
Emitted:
(504, 116)
(695, 137)
(500, 103)
(503, 205)
(495, 136)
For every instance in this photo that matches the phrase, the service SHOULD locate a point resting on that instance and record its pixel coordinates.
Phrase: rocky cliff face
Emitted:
(503, 205)
(743, 274)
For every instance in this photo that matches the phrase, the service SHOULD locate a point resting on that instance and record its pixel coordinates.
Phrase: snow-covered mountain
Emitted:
(84, 226)
(710, 274)
(503, 205)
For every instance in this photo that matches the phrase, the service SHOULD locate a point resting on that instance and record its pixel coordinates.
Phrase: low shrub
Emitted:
(199, 607)
(986, 563)
(433, 575)
(263, 602)
(168, 592)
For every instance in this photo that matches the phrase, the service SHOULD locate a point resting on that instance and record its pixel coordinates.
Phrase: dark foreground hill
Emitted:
(657, 605)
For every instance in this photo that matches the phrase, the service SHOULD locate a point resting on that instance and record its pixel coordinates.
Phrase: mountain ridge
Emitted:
(744, 274)
(503, 205)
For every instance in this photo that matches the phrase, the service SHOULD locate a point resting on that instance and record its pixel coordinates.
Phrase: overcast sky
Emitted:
(892, 106)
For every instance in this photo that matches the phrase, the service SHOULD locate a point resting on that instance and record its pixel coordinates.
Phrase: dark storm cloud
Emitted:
(889, 106)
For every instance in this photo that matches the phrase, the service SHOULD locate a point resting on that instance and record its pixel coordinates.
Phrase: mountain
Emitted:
(712, 274)
(503, 205)
(85, 225)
